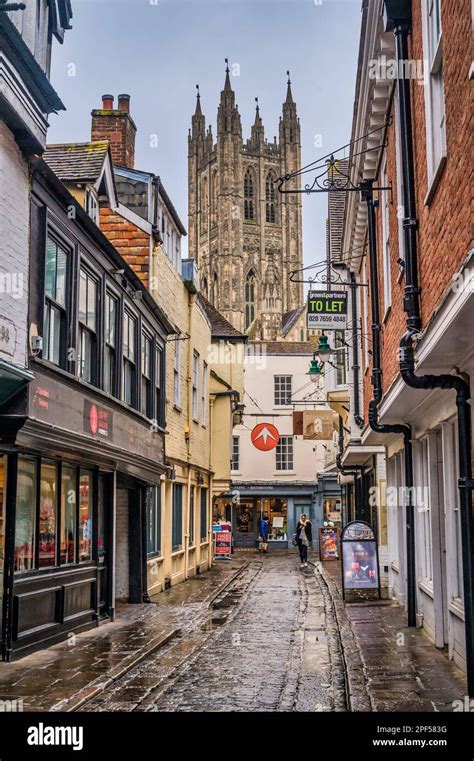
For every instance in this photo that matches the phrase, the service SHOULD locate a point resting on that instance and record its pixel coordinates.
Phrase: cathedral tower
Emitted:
(245, 236)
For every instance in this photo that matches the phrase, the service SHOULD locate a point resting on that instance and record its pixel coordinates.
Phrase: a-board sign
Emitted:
(360, 567)
(329, 543)
(223, 544)
(327, 310)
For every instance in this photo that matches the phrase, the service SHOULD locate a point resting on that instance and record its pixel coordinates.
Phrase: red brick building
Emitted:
(413, 130)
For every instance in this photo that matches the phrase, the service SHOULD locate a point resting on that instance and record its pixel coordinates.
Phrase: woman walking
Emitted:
(304, 536)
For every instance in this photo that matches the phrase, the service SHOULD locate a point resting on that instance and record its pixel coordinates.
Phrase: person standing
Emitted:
(304, 537)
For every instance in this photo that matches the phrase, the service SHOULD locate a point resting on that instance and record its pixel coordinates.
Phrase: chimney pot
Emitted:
(107, 102)
(124, 102)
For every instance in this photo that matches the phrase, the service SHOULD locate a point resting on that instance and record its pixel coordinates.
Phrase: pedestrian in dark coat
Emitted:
(304, 537)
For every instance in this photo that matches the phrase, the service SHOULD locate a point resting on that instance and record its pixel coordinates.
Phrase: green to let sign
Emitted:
(327, 310)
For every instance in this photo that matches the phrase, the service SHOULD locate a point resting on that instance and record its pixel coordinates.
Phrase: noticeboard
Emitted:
(327, 310)
(223, 544)
(360, 562)
(329, 543)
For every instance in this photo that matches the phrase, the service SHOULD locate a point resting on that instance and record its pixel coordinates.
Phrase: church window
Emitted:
(205, 287)
(204, 205)
(249, 196)
(214, 198)
(249, 299)
(270, 199)
(215, 289)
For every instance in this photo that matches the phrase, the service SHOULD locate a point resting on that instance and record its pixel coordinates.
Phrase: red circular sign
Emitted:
(94, 418)
(265, 437)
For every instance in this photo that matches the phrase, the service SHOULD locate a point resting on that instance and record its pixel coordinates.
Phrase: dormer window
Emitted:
(92, 205)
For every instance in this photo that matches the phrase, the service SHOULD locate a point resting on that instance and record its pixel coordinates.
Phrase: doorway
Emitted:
(105, 530)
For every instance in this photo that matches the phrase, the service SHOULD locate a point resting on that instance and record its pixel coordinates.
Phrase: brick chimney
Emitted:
(117, 126)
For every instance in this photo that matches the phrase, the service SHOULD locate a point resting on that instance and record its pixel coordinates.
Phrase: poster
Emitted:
(223, 544)
(359, 557)
(329, 547)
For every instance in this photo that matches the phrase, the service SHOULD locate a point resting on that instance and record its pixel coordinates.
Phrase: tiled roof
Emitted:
(288, 347)
(220, 327)
(78, 162)
(289, 318)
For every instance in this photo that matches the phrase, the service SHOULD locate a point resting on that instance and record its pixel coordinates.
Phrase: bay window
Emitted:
(87, 341)
(129, 391)
(55, 304)
(110, 348)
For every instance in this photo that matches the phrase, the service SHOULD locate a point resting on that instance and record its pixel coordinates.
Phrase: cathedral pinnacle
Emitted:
(198, 111)
(289, 95)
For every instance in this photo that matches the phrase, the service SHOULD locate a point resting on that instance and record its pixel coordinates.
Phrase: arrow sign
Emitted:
(265, 437)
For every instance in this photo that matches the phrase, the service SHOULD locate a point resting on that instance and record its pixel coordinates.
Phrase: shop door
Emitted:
(104, 535)
(245, 525)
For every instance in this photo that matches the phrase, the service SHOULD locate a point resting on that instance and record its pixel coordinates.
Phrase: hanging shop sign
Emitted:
(329, 543)
(223, 544)
(327, 310)
(265, 437)
(318, 425)
(360, 560)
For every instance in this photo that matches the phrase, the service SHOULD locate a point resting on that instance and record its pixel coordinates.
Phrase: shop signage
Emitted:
(327, 310)
(265, 437)
(223, 544)
(97, 420)
(8, 337)
(329, 543)
(360, 566)
(317, 425)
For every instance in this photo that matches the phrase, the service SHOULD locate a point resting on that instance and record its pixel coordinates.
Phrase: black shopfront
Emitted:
(82, 447)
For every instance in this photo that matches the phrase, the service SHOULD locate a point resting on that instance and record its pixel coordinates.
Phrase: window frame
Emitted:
(154, 513)
(279, 391)
(146, 339)
(195, 385)
(204, 393)
(111, 350)
(133, 318)
(177, 374)
(284, 452)
(52, 234)
(235, 454)
(177, 517)
(83, 329)
(385, 218)
(203, 512)
(435, 102)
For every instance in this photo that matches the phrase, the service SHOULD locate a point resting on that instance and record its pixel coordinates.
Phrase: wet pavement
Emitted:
(253, 634)
(401, 668)
(270, 645)
(62, 677)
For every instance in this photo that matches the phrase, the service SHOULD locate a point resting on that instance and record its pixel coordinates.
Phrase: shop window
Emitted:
(68, 515)
(284, 453)
(129, 394)
(47, 514)
(110, 349)
(154, 521)
(282, 390)
(191, 517)
(87, 344)
(203, 511)
(275, 510)
(177, 519)
(25, 524)
(55, 306)
(146, 395)
(85, 515)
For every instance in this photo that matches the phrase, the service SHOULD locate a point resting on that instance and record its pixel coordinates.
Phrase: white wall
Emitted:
(259, 397)
(14, 244)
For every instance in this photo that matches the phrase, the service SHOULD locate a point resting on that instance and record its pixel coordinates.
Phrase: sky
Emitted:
(158, 50)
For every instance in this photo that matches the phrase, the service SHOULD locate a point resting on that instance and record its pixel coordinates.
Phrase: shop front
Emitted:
(280, 504)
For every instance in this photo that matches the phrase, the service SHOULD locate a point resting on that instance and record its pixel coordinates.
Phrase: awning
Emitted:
(12, 380)
(360, 455)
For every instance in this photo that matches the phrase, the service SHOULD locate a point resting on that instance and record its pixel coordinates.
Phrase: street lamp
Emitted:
(315, 370)
(324, 350)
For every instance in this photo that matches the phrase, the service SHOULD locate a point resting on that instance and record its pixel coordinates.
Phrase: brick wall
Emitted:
(118, 128)
(133, 243)
(14, 249)
(445, 225)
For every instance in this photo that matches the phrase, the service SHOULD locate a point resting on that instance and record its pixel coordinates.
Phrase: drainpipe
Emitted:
(355, 353)
(405, 430)
(355, 470)
(411, 304)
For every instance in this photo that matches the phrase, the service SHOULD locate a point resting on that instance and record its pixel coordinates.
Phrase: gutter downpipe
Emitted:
(411, 305)
(354, 470)
(405, 430)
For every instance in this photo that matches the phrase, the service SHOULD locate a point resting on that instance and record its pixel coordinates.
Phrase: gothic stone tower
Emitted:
(244, 235)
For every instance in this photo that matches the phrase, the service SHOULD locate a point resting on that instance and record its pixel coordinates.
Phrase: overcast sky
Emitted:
(157, 50)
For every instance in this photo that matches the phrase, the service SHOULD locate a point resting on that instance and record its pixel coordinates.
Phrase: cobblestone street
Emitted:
(279, 639)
